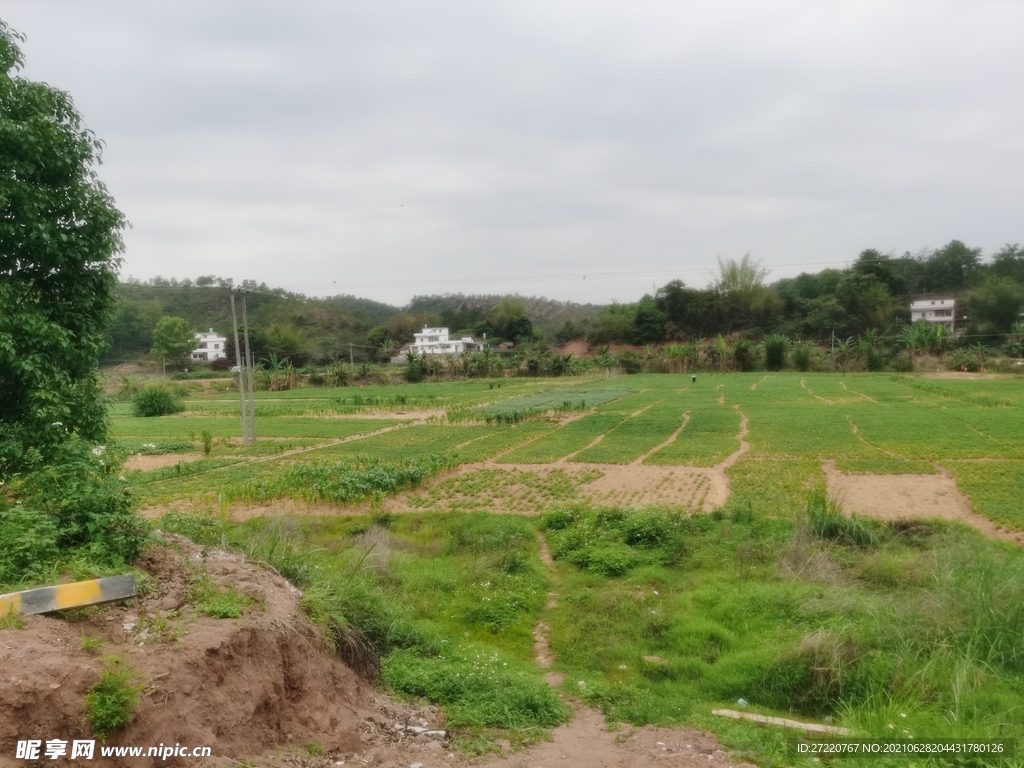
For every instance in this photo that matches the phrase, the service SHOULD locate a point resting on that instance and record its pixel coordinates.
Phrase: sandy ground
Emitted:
(899, 497)
(145, 462)
(962, 375)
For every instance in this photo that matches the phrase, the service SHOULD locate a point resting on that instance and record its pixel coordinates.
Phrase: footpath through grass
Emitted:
(903, 630)
(440, 606)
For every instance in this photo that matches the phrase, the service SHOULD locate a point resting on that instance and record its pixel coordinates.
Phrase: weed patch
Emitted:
(111, 702)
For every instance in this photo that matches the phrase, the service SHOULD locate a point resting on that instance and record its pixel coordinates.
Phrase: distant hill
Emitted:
(377, 313)
(548, 314)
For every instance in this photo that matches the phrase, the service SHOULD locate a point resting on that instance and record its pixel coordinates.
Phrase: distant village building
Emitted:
(209, 346)
(435, 341)
(938, 309)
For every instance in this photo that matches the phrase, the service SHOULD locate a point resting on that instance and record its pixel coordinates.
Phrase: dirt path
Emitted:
(674, 436)
(803, 383)
(588, 741)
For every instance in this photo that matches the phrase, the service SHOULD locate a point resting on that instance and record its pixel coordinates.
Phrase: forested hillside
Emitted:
(872, 295)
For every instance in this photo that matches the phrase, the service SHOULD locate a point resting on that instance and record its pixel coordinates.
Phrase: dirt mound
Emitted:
(241, 686)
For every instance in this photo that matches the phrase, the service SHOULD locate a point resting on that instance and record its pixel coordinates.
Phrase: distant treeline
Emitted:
(873, 294)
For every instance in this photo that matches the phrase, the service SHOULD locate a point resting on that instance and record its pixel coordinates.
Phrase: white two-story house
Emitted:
(435, 341)
(209, 346)
(941, 309)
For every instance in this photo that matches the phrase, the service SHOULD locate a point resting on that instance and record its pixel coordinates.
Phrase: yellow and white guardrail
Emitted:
(63, 596)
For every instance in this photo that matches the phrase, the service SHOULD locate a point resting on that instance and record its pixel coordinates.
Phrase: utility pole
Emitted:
(249, 368)
(241, 375)
(351, 360)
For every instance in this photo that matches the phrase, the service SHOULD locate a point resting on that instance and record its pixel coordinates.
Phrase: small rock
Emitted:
(128, 626)
(433, 745)
(169, 603)
(416, 765)
(655, 660)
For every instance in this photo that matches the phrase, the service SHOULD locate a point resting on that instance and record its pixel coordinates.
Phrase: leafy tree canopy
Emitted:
(173, 339)
(60, 236)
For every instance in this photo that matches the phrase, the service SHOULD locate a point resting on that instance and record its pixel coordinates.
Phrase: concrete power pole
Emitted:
(249, 368)
(241, 376)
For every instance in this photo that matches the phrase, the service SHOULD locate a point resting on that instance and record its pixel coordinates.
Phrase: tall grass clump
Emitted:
(775, 348)
(827, 521)
(802, 356)
(157, 400)
(110, 703)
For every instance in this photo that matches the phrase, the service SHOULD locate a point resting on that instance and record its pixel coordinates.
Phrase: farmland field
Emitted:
(693, 523)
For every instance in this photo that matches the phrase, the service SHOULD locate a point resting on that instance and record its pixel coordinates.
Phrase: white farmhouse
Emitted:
(209, 346)
(941, 309)
(435, 341)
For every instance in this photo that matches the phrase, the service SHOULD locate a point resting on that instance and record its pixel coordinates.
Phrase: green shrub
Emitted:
(111, 702)
(963, 360)
(775, 348)
(29, 543)
(202, 529)
(609, 559)
(157, 400)
(478, 688)
(343, 481)
(88, 504)
(802, 354)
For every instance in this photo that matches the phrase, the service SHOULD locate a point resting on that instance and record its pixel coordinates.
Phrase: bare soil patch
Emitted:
(144, 462)
(962, 375)
(589, 742)
(899, 497)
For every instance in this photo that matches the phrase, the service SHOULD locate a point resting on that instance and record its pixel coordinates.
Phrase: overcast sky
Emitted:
(389, 149)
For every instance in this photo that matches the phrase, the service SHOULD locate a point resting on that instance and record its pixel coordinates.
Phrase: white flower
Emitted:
(97, 451)
(582, 684)
(57, 424)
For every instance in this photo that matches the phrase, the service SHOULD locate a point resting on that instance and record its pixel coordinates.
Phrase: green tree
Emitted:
(745, 299)
(173, 339)
(60, 236)
(1009, 262)
(953, 267)
(995, 305)
(648, 322)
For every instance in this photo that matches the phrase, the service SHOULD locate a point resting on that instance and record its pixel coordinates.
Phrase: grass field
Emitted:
(797, 610)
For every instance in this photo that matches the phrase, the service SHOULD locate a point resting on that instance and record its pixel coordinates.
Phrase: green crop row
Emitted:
(574, 436)
(636, 435)
(339, 482)
(708, 438)
(193, 426)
